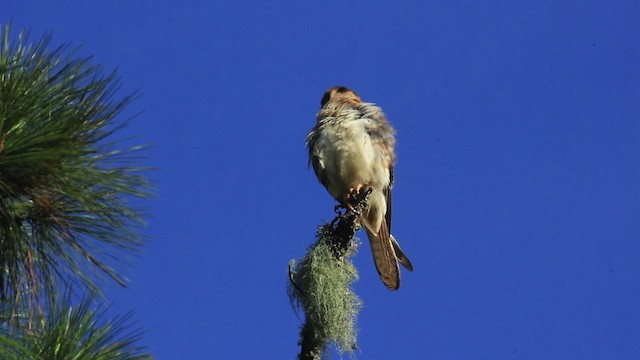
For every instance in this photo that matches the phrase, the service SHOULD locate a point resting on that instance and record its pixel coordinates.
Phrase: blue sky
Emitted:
(517, 192)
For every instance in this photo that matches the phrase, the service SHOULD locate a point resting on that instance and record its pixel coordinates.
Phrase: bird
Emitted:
(351, 148)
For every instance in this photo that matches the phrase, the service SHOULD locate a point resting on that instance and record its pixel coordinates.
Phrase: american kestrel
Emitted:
(351, 148)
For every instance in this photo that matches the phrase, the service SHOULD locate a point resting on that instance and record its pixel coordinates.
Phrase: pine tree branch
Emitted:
(66, 188)
(67, 195)
(321, 285)
(310, 349)
(73, 332)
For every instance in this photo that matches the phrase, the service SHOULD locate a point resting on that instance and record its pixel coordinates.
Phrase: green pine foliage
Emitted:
(73, 332)
(65, 215)
(67, 195)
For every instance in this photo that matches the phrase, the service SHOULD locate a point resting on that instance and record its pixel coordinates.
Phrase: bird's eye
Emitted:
(325, 98)
(342, 89)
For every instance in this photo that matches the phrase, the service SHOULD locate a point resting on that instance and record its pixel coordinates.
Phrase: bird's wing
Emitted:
(404, 260)
(383, 134)
(387, 195)
(319, 169)
(315, 158)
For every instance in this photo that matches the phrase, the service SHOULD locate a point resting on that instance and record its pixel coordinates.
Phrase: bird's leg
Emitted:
(354, 200)
(356, 196)
(354, 191)
(347, 224)
(352, 194)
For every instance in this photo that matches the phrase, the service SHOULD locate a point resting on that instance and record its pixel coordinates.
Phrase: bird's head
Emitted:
(340, 94)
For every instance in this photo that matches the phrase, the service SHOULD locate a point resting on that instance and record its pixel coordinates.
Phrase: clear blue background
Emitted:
(517, 183)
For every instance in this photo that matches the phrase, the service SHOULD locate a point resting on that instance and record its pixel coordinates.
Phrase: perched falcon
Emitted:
(351, 148)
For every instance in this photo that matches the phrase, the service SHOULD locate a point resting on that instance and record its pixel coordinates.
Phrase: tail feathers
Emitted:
(404, 260)
(384, 256)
